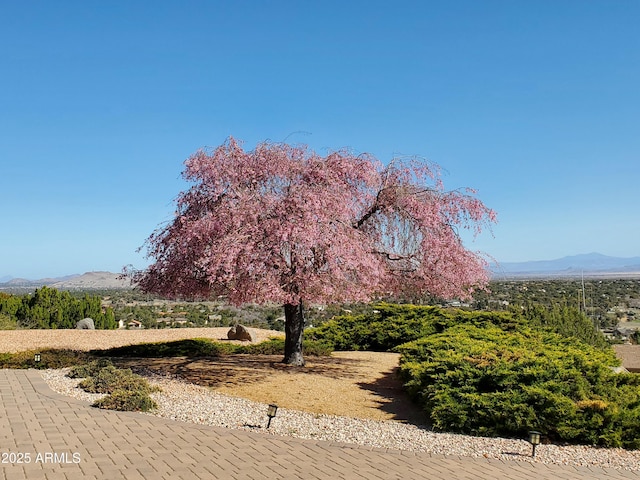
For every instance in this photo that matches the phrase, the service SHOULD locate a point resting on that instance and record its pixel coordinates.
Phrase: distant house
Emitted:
(171, 321)
(134, 324)
(630, 356)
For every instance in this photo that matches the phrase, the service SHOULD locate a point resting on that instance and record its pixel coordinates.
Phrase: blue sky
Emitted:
(536, 104)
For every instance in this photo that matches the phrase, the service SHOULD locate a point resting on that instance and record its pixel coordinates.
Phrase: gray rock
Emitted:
(85, 324)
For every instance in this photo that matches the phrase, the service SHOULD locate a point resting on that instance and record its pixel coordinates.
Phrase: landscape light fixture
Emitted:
(271, 412)
(37, 357)
(534, 440)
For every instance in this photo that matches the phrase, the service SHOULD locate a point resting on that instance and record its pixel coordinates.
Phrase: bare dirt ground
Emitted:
(354, 384)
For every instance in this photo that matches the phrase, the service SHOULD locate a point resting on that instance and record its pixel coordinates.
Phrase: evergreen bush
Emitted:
(49, 358)
(275, 346)
(125, 390)
(109, 379)
(383, 327)
(89, 369)
(485, 380)
(197, 347)
(126, 401)
(502, 373)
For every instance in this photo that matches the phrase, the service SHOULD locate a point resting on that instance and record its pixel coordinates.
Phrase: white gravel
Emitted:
(186, 402)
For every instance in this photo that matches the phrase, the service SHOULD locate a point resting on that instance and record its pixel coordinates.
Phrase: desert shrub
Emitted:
(316, 348)
(272, 346)
(501, 373)
(125, 390)
(7, 322)
(89, 369)
(126, 401)
(18, 360)
(275, 346)
(203, 347)
(50, 358)
(110, 379)
(197, 347)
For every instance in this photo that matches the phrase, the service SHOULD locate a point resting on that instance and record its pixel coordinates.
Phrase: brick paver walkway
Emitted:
(56, 437)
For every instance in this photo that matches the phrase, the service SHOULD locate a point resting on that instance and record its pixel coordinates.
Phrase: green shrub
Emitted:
(499, 373)
(272, 346)
(7, 322)
(275, 346)
(126, 401)
(565, 321)
(387, 326)
(202, 347)
(126, 390)
(50, 308)
(384, 327)
(316, 348)
(89, 369)
(495, 378)
(110, 379)
(49, 358)
(197, 347)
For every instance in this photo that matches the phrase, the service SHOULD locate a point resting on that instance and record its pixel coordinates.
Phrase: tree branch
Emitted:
(372, 211)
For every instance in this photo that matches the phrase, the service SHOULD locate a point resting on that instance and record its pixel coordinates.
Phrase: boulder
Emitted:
(240, 332)
(85, 324)
(231, 334)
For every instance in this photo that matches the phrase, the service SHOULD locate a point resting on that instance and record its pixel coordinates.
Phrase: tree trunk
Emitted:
(293, 328)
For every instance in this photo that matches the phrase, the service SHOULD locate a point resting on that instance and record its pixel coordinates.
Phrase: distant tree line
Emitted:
(595, 297)
(194, 314)
(49, 308)
(563, 320)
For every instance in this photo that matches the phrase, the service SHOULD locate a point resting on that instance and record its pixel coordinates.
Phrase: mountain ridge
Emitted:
(589, 264)
(98, 280)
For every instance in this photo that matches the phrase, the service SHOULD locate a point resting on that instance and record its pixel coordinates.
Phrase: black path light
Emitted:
(37, 357)
(534, 440)
(271, 412)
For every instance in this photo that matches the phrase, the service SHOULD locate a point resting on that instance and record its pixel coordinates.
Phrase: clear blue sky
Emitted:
(534, 103)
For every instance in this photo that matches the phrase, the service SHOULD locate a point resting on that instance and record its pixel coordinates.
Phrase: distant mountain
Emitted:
(86, 281)
(92, 280)
(590, 264)
(18, 282)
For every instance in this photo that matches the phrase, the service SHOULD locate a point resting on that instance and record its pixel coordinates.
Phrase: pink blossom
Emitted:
(284, 224)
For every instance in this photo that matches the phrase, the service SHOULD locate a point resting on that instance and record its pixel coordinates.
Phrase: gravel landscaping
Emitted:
(186, 402)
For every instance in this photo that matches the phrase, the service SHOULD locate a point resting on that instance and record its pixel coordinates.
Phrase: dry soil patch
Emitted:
(354, 384)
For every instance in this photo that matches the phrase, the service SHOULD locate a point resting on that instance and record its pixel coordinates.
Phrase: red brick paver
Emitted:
(46, 436)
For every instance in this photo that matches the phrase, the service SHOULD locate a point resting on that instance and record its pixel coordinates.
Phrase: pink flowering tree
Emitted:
(284, 224)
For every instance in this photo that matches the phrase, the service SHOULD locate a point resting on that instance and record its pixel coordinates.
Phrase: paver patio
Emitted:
(56, 437)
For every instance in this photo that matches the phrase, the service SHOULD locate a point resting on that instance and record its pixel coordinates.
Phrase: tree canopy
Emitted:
(284, 224)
